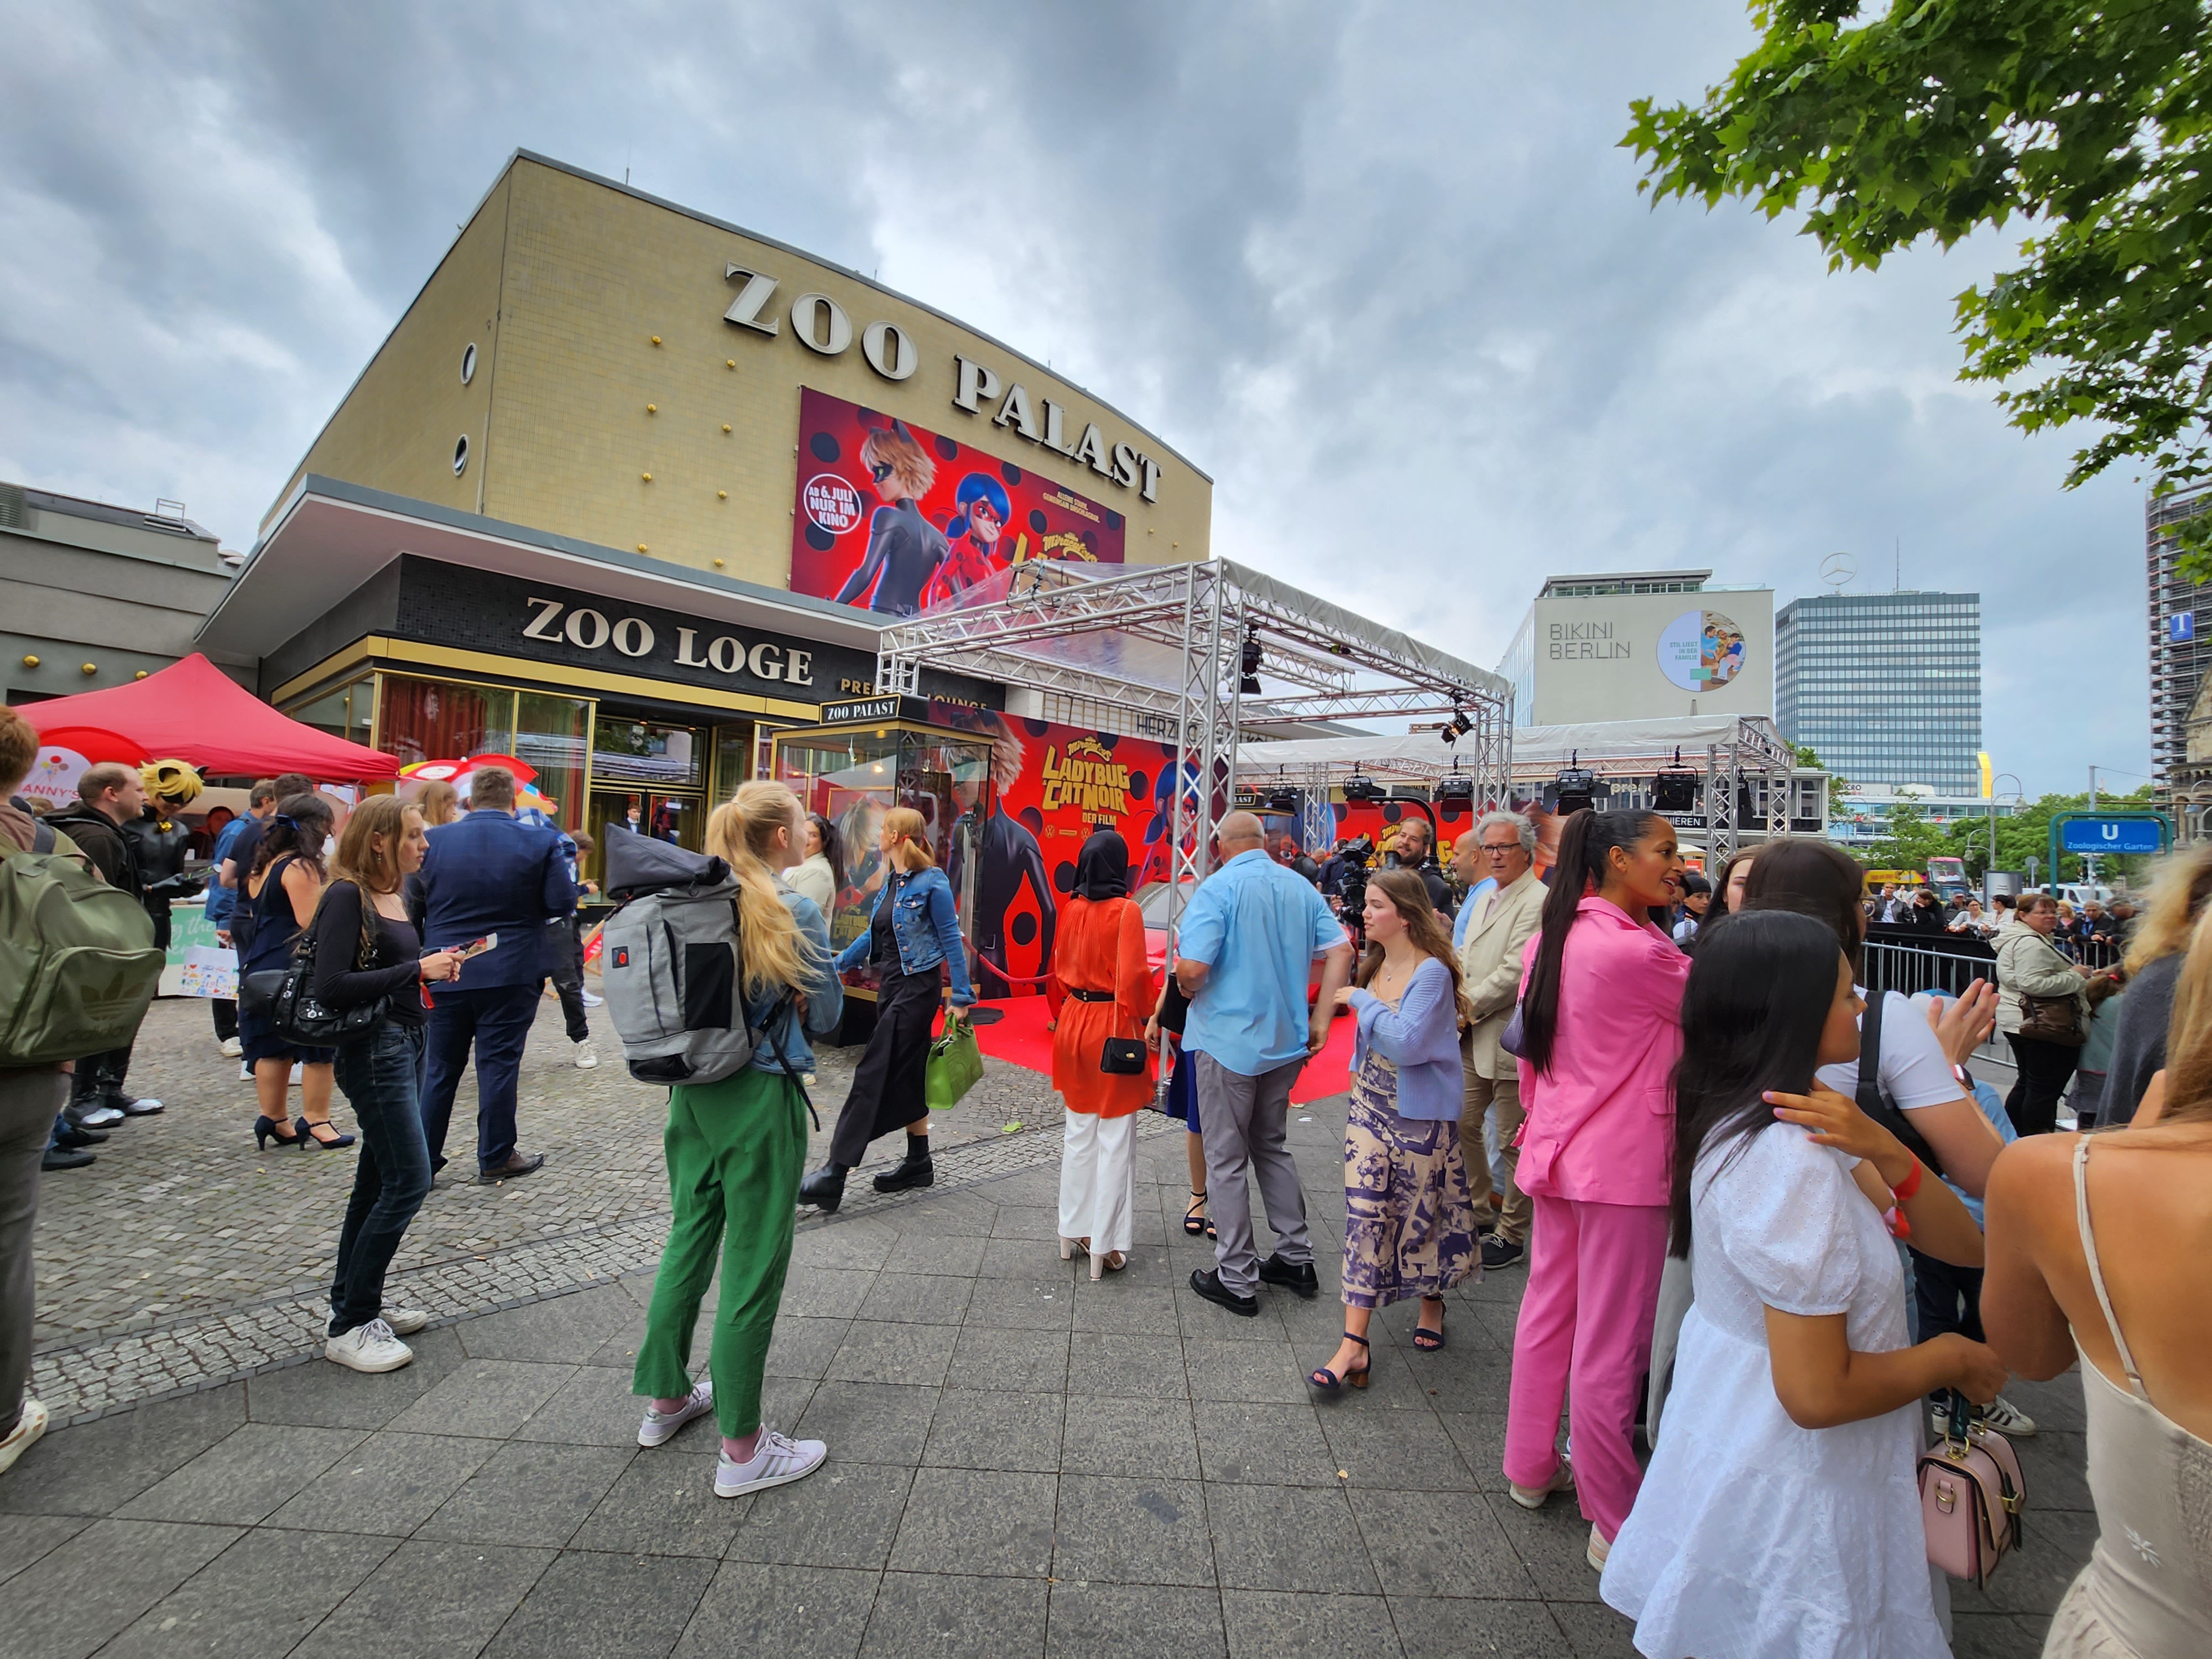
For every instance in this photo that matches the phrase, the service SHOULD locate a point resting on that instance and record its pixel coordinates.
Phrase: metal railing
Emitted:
(1943, 966)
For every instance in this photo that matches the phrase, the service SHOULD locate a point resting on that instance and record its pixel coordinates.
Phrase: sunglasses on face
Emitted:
(880, 471)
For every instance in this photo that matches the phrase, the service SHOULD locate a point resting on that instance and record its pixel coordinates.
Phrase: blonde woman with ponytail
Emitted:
(735, 1151)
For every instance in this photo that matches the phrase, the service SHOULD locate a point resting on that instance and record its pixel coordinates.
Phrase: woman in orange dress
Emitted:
(1100, 988)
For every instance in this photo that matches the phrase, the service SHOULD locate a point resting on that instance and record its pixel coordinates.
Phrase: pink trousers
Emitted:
(1585, 1324)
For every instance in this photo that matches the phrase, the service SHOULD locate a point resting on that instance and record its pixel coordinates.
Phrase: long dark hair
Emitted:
(832, 849)
(297, 829)
(1585, 845)
(1760, 988)
(1815, 879)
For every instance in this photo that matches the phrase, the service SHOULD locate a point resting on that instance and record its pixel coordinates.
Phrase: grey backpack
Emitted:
(669, 963)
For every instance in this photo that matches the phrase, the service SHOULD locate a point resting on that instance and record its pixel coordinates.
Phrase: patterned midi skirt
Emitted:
(1409, 1214)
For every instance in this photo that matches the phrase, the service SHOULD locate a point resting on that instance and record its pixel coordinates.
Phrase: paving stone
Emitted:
(24, 1538)
(526, 1492)
(1139, 1531)
(486, 1398)
(244, 1477)
(1594, 1631)
(1105, 1362)
(258, 1599)
(1390, 1450)
(1107, 1434)
(976, 1430)
(974, 1521)
(1009, 1361)
(807, 1613)
(843, 1515)
(1290, 1626)
(1133, 1621)
(940, 1616)
(1252, 1372)
(603, 1607)
(429, 1600)
(894, 1353)
(390, 1483)
(319, 1395)
(95, 1467)
(1286, 1538)
(1552, 1544)
(1264, 1445)
(561, 1330)
(917, 1298)
(1115, 1304)
(869, 1422)
(960, 1254)
(663, 1502)
(99, 1581)
(826, 1293)
(595, 1408)
(1437, 1628)
(1437, 1543)
(1030, 1303)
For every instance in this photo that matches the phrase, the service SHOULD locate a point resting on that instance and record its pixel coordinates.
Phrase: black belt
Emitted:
(1082, 995)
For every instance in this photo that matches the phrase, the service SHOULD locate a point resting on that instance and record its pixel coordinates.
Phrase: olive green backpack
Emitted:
(77, 962)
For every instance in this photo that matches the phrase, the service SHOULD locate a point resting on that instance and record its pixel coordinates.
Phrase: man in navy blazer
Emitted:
(487, 874)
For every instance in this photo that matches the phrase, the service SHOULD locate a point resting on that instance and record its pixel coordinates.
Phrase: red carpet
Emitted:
(1020, 1039)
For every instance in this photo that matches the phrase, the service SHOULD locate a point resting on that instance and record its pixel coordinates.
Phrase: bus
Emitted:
(1947, 876)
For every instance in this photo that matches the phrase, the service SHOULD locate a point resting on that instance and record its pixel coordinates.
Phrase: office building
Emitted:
(1886, 688)
(2180, 637)
(1635, 644)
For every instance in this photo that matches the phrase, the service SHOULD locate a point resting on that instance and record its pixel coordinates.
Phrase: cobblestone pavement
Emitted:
(183, 1257)
(1022, 1462)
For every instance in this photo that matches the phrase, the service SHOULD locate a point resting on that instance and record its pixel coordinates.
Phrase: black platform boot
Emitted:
(824, 1189)
(914, 1170)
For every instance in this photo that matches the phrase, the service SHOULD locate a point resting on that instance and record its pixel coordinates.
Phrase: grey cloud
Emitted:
(1381, 270)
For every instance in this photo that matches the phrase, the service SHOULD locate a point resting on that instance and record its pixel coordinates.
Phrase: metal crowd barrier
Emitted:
(1942, 965)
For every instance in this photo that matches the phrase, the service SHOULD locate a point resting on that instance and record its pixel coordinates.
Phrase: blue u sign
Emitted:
(2110, 836)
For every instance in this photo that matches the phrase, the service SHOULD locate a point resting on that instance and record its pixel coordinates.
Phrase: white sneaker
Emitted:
(1598, 1550)
(1532, 1498)
(659, 1427)
(294, 1078)
(370, 1347)
(592, 1000)
(2007, 1419)
(100, 1117)
(232, 1048)
(777, 1461)
(587, 1057)
(405, 1321)
(245, 1072)
(29, 1427)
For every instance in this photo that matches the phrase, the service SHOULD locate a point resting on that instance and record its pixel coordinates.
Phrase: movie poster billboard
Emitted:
(1049, 787)
(892, 517)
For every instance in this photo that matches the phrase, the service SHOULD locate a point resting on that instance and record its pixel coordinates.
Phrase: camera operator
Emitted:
(1413, 850)
(1344, 881)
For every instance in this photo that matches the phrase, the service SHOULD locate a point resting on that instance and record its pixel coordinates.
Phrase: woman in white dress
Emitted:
(1780, 1514)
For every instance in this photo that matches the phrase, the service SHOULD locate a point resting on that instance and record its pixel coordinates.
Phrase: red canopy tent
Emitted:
(192, 711)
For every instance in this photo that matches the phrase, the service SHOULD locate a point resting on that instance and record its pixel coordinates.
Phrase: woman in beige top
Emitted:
(2098, 1255)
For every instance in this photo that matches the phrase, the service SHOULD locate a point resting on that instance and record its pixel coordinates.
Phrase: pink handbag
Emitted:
(1971, 1496)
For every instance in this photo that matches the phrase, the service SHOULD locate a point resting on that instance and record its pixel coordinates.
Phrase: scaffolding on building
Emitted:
(1206, 655)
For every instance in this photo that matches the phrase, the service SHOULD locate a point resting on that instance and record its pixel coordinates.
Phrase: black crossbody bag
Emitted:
(1871, 1100)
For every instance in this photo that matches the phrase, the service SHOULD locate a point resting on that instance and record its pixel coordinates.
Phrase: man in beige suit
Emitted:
(1502, 845)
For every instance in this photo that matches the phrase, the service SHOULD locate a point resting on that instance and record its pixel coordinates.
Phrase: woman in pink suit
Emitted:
(1600, 1021)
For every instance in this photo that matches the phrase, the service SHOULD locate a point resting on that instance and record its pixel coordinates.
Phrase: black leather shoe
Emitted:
(1206, 1281)
(824, 1189)
(63, 1158)
(518, 1163)
(1301, 1279)
(70, 1135)
(909, 1171)
(1501, 1252)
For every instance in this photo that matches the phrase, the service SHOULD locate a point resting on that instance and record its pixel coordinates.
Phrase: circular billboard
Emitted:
(1701, 651)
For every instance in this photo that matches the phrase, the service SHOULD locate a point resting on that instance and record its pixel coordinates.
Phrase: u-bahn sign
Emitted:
(2111, 834)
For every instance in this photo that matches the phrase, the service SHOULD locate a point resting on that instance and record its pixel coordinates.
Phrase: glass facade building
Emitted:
(1886, 688)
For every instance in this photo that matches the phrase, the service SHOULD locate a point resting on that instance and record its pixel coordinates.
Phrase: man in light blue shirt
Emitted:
(1242, 955)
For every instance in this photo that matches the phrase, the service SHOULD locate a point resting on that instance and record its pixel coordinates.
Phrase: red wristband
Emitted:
(1912, 1184)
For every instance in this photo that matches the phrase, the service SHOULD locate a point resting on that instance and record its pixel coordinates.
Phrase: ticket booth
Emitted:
(865, 757)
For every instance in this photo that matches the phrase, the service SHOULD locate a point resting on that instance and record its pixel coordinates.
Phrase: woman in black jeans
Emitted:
(365, 948)
(2030, 965)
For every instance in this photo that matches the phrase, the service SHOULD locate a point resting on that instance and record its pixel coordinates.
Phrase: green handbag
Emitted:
(956, 1066)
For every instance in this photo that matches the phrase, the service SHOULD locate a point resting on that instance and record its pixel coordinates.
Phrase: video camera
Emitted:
(1351, 894)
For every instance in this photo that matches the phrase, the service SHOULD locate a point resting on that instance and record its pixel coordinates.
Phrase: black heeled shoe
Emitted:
(306, 1131)
(264, 1127)
(1328, 1382)
(1193, 1224)
(1427, 1340)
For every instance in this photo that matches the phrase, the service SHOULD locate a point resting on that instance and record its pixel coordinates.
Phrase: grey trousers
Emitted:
(28, 1101)
(1242, 1119)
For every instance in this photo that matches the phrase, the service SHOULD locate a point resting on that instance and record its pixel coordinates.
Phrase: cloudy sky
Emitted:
(1381, 269)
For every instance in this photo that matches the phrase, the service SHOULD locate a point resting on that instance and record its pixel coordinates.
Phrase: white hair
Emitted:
(1516, 822)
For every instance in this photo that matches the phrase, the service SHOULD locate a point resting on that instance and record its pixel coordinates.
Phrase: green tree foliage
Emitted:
(1937, 119)
(1837, 785)
(2027, 835)
(1908, 841)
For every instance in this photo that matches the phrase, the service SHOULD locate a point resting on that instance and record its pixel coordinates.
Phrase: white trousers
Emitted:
(1097, 1180)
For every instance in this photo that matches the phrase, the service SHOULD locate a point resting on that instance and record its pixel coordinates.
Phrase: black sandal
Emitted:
(1329, 1382)
(1194, 1224)
(1434, 1338)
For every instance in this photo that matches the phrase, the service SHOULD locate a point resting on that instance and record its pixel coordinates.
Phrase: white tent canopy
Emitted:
(1599, 744)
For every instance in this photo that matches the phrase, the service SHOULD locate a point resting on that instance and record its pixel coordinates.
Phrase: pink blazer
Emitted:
(1600, 1126)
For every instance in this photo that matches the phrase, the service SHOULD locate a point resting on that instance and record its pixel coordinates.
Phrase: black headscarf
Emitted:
(1101, 869)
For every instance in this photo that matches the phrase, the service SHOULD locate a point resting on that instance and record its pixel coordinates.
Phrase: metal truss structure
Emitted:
(1169, 640)
(1739, 750)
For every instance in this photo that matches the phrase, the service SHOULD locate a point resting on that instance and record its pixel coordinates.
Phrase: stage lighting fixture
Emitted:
(1281, 798)
(1357, 788)
(1250, 685)
(1460, 726)
(1457, 787)
(1675, 790)
(1577, 787)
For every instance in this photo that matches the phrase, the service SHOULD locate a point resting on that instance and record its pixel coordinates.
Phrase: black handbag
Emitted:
(285, 997)
(1122, 1057)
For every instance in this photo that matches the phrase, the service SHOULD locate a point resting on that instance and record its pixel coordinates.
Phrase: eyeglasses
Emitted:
(880, 471)
(1496, 850)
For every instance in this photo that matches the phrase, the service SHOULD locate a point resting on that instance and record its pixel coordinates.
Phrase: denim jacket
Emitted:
(825, 997)
(927, 927)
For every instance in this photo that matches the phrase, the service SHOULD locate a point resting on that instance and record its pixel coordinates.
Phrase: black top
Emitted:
(390, 970)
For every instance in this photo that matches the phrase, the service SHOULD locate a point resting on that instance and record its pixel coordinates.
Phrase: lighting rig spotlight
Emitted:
(1250, 685)
(1577, 785)
(1675, 790)
(1456, 786)
(1457, 726)
(1280, 799)
(1357, 788)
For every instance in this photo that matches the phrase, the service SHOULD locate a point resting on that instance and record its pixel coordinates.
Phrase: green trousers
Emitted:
(736, 1150)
